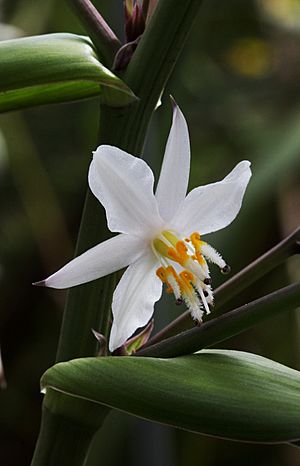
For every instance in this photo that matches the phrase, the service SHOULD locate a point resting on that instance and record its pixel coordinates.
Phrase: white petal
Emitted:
(124, 186)
(134, 298)
(101, 260)
(214, 206)
(174, 176)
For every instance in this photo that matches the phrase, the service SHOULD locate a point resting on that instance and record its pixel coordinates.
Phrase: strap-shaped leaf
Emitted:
(55, 68)
(224, 393)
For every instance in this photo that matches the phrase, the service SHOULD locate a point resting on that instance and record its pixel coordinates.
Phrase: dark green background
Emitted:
(237, 83)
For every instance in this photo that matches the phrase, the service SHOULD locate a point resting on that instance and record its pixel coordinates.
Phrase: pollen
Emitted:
(184, 269)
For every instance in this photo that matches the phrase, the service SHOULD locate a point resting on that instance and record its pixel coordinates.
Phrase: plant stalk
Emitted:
(227, 325)
(61, 441)
(126, 128)
(104, 39)
(68, 426)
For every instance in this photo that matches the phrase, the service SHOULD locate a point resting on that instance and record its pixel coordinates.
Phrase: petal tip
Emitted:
(245, 163)
(173, 102)
(40, 283)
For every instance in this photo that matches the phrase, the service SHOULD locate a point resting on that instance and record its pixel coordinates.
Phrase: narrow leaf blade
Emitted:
(228, 394)
(55, 68)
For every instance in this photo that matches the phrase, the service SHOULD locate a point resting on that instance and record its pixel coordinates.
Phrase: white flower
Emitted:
(159, 238)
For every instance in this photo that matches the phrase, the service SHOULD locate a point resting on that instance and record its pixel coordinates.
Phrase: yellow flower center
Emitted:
(184, 269)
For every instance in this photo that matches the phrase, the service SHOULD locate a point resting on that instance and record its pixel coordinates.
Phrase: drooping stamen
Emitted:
(203, 292)
(213, 256)
(173, 282)
(192, 284)
(189, 296)
(169, 277)
(226, 269)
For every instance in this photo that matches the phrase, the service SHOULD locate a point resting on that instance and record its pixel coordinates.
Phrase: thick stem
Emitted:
(147, 74)
(61, 441)
(232, 287)
(227, 325)
(99, 31)
(125, 127)
(68, 426)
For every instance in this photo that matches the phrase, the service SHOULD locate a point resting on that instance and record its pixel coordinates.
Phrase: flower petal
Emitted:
(214, 206)
(174, 176)
(101, 260)
(134, 298)
(124, 186)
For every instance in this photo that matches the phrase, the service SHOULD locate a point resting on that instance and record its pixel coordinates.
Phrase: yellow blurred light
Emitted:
(285, 12)
(250, 57)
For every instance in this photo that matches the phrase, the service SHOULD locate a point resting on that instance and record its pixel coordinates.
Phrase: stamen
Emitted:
(226, 269)
(170, 278)
(207, 281)
(196, 314)
(203, 292)
(212, 255)
(192, 284)
(189, 296)
(173, 281)
(207, 310)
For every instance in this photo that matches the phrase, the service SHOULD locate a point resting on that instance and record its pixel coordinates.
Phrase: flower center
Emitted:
(184, 269)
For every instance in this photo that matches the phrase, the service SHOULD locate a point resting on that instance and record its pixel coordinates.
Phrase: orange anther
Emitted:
(181, 247)
(187, 275)
(161, 274)
(171, 271)
(200, 258)
(196, 240)
(185, 279)
(182, 252)
(172, 254)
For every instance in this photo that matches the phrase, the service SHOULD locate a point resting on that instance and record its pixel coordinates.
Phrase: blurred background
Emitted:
(237, 82)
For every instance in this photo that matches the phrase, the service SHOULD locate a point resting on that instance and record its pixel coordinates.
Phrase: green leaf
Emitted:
(229, 394)
(54, 68)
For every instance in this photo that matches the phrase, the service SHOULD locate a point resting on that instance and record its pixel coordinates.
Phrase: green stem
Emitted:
(232, 287)
(126, 127)
(227, 325)
(61, 441)
(84, 310)
(99, 31)
(68, 426)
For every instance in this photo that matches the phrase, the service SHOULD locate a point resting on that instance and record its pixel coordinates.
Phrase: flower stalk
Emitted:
(126, 128)
(68, 426)
(97, 28)
(227, 325)
(147, 75)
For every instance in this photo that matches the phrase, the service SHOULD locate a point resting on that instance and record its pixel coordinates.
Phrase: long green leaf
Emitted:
(55, 68)
(229, 394)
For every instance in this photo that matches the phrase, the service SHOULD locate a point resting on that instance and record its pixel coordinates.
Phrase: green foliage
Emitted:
(223, 393)
(54, 68)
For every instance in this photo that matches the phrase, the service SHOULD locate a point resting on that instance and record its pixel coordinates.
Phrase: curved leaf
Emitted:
(228, 394)
(54, 68)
